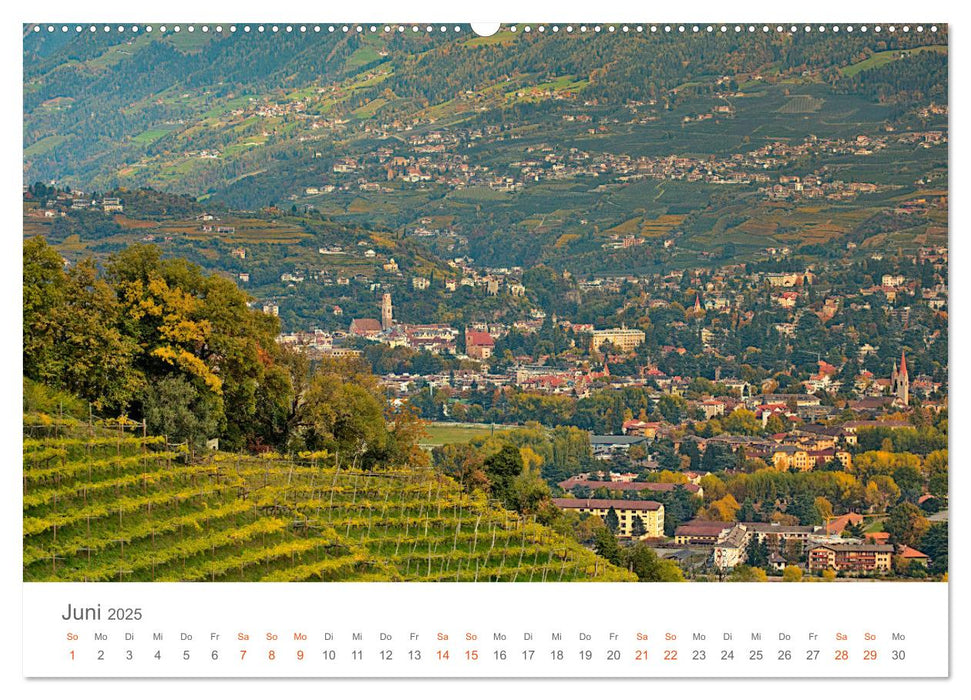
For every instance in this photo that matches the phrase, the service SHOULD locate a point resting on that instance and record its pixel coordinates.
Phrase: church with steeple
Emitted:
(900, 381)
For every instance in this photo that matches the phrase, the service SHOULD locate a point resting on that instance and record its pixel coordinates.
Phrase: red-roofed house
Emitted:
(910, 554)
(767, 410)
(837, 525)
(654, 373)
(640, 427)
(366, 327)
(479, 344)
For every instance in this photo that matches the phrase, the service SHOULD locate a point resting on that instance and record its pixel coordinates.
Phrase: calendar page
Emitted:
(534, 349)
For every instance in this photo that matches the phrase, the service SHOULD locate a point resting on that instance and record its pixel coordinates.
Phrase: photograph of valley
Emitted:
(406, 303)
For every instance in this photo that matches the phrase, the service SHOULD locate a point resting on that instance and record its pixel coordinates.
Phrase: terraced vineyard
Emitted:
(102, 504)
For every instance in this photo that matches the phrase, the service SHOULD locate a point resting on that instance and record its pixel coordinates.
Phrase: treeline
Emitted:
(876, 483)
(921, 439)
(553, 455)
(915, 77)
(158, 339)
(603, 411)
(644, 66)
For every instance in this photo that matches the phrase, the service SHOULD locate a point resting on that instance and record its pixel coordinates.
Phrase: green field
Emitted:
(187, 41)
(874, 525)
(452, 433)
(368, 52)
(500, 37)
(151, 135)
(46, 144)
(367, 111)
(882, 58)
(564, 83)
(118, 53)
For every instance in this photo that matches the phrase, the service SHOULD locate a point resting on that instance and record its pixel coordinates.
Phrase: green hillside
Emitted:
(523, 149)
(104, 503)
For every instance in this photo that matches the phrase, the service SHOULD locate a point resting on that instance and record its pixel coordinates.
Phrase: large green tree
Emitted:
(502, 468)
(906, 524)
(176, 408)
(648, 566)
(340, 409)
(72, 339)
(934, 544)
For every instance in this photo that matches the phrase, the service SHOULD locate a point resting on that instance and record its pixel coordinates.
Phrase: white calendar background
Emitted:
(488, 630)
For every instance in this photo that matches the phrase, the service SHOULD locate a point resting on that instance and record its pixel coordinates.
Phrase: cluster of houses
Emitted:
(822, 548)
(435, 156)
(792, 188)
(637, 515)
(492, 282)
(720, 294)
(77, 200)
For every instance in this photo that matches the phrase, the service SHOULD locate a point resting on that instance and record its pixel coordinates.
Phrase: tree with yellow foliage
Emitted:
(713, 487)
(824, 507)
(108, 335)
(724, 509)
(743, 573)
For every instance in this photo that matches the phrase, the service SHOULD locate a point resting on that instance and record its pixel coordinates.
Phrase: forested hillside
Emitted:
(516, 149)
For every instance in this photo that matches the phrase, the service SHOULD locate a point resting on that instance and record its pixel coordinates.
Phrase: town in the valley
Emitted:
(688, 432)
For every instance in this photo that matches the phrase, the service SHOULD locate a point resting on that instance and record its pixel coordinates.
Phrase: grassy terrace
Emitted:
(108, 506)
(452, 433)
